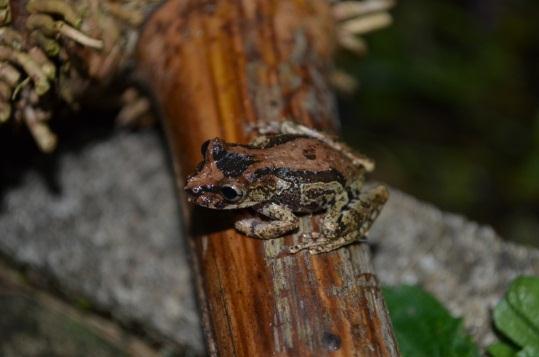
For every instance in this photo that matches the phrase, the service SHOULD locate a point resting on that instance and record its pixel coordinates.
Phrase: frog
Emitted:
(287, 171)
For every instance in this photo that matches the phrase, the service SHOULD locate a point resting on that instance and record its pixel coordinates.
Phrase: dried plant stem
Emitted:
(217, 71)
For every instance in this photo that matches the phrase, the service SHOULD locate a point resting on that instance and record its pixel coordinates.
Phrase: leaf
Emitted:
(529, 351)
(523, 296)
(424, 327)
(509, 322)
(500, 349)
(517, 315)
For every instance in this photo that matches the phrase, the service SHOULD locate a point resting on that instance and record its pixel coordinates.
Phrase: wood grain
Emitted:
(216, 67)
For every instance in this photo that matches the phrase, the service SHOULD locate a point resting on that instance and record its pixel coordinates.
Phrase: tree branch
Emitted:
(215, 68)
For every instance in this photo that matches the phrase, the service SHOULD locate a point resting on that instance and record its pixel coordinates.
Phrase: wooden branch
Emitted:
(216, 67)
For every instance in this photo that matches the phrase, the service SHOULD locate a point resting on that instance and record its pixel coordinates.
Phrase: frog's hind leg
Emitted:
(331, 225)
(284, 221)
(360, 215)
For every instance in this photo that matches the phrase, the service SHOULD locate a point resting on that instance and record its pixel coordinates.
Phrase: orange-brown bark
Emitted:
(215, 67)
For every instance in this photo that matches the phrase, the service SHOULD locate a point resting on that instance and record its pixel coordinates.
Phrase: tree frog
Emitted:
(289, 169)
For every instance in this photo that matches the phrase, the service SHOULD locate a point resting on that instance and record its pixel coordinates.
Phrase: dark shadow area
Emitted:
(449, 108)
(20, 153)
(205, 221)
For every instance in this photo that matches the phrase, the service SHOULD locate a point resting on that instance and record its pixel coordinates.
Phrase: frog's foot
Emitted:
(319, 240)
(327, 245)
(44, 28)
(284, 221)
(257, 228)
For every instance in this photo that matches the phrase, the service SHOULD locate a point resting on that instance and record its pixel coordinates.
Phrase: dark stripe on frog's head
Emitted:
(232, 164)
(301, 176)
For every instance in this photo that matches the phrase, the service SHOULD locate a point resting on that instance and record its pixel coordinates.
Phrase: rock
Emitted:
(109, 234)
(467, 266)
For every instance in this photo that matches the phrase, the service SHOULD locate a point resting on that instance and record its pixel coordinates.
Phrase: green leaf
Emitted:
(529, 351)
(517, 315)
(500, 349)
(424, 327)
(523, 296)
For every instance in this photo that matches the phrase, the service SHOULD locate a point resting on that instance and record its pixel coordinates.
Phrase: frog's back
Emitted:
(301, 159)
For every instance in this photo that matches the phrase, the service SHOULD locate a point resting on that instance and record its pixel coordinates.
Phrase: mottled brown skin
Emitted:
(297, 170)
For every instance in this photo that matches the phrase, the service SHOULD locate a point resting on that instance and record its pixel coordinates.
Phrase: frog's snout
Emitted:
(193, 193)
(203, 196)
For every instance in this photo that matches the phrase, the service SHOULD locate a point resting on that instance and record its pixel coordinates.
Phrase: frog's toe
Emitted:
(299, 247)
(317, 250)
(308, 245)
(312, 235)
(295, 248)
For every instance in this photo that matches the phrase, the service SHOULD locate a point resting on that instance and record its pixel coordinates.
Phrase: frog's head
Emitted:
(219, 181)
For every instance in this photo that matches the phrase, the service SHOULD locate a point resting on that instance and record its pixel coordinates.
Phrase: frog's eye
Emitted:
(204, 147)
(231, 193)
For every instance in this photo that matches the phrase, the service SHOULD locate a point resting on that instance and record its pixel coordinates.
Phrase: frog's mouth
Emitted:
(205, 196)
(210, 200)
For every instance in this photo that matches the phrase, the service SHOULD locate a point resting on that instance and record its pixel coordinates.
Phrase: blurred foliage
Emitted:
(449, 107)
(424, 327)
(516, 317)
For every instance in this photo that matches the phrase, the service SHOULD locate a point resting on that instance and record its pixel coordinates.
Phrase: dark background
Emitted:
(449, 107)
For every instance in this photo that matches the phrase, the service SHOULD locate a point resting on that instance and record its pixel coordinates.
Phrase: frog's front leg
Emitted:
(283, 221)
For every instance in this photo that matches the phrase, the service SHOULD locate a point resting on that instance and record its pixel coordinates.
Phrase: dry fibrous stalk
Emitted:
(54, 51)
(354, 20)
(57, 50)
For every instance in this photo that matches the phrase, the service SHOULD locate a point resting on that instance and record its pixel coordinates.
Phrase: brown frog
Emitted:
(289, 169)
